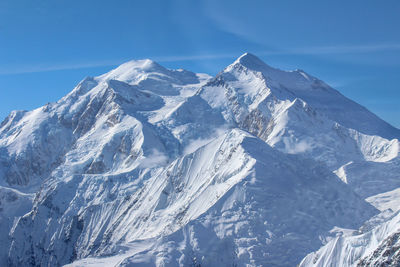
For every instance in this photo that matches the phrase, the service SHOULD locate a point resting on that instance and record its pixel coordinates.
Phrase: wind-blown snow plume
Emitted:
(155, 159)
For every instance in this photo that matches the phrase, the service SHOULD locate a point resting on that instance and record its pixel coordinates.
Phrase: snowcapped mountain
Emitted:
(150, 166)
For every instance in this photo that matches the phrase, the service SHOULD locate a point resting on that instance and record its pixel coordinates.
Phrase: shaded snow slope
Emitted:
(13, 204)
(371, 178)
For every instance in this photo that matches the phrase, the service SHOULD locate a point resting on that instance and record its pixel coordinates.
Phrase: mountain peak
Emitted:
(148, 71)
(140, 65)
(133, 71)
(143, 64)
(250, 61)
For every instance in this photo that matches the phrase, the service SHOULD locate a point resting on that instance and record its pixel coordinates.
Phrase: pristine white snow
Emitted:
(148, 165)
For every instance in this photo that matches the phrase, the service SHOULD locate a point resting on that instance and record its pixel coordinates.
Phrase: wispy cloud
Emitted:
(194, 57)
(250, 30)
(343, 49)
(56, 67)
(312, 50)
(79, 65)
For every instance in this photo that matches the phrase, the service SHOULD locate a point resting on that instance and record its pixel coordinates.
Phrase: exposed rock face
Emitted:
(386, 255)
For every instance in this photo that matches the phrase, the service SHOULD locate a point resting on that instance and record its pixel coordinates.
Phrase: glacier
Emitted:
(147, 166)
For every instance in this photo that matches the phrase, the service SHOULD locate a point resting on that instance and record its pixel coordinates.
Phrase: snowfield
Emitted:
(146, 166)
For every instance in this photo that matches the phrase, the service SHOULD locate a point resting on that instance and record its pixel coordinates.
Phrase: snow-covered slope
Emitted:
(47, 134)
(377, 242)
(289, 85)
(158, 166)
(13, 204)
(235, 194)
(265, 219)
(299, 114)
(379, 246)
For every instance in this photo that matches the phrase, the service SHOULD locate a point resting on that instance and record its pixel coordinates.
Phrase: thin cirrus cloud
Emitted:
(79, 65)
(315, 50)
(70, 66)
(348, 49)
(54, 67)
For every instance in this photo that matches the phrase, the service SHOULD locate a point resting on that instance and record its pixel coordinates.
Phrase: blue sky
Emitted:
(48, 46)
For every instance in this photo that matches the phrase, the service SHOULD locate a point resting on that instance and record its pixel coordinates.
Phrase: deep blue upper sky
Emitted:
(47, 46)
